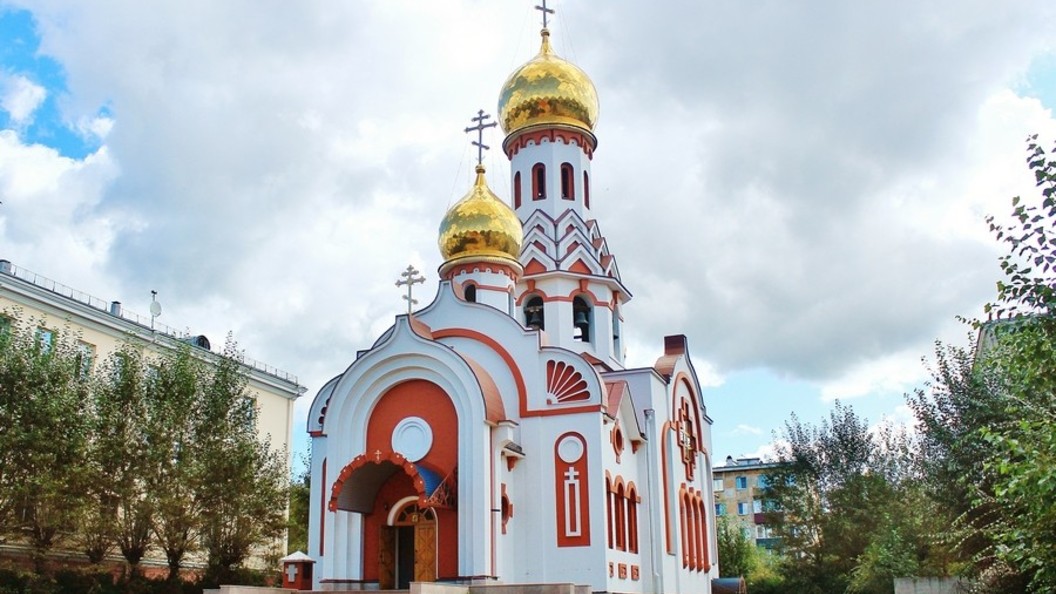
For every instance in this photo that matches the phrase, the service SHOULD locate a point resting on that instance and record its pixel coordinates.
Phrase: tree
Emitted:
(297, 525)
(1022, 455)
(244, 484)
(736, 551)
(43, 390)
(838, 494)
(173, 397)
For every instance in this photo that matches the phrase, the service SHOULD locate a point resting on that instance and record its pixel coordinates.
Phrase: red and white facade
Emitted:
(500, 439)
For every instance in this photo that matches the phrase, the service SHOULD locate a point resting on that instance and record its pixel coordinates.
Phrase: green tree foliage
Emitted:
(1021, 460)
(297, 526)
(243, 485)
(737, 556)
(43, 436)
(848, 507)
(146, 453)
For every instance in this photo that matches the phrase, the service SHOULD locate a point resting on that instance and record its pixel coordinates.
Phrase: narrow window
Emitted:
(538, 182)
(517, 190)
(470, 293)
(581, 318)
(621, 526)
(586, 189)
(617, 345)
(568, 190)
(608, 508)
(632, 520)
(533, 313)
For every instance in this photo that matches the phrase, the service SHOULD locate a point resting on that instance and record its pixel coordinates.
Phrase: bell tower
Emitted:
(571, 287)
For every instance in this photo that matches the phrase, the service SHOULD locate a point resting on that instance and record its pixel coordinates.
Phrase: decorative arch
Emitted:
(369, 472)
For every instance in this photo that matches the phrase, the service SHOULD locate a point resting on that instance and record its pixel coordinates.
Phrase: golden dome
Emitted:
(480, 227)
(547, 90)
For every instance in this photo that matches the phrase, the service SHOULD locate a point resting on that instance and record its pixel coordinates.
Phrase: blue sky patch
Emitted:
(20, 56)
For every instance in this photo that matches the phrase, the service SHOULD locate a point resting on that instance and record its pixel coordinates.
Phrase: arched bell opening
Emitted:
(582, 319)
(534, 315)
(469, 292)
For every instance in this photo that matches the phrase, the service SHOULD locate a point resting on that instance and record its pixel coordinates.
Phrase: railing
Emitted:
(117, 310)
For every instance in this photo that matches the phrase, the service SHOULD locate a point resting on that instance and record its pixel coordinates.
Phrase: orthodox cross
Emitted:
(410, 279)
(687, 439)
(479, 129)
(545, 12)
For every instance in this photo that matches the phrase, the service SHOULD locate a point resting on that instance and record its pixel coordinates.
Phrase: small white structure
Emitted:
(495, 436)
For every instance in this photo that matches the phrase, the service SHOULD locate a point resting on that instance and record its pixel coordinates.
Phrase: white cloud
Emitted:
(744, 429)
(20, 97)
(794, 193)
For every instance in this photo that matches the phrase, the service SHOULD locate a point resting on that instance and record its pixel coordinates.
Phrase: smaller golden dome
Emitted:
(547, 90)
(480, 227)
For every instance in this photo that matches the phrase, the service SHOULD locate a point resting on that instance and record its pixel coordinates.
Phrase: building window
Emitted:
(741, 482)
(581, 318)
(568, 190)
(85, 356)
(517, 190)
(538, 182)
(762, 482)
(720, 509)
(469, 291)
(716, 485)
(742, 508)
(632, 519)
(586, 190)
(608, 510)
(621, 518)
(617, 349)
(757, 506)
(45, 338)
(533, 313)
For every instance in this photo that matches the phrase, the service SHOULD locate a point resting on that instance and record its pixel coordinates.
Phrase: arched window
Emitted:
(568, 189)
(586, 189)
(469, 291)
(621, 517)
(617, 344)
(632, 519)
(517, 190)
(533, 313)
(538, 182)
(682, 513)
(582, 318)
(608, 508)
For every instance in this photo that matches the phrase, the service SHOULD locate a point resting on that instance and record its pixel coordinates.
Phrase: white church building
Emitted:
(495, 435)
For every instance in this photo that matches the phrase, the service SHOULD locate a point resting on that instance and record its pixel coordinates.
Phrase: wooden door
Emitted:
(387, 558)
(425, 552)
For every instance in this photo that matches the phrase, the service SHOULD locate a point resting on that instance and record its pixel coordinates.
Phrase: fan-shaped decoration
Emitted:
(564, 383)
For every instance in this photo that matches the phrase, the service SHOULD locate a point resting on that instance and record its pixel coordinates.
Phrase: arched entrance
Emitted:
(407, 546)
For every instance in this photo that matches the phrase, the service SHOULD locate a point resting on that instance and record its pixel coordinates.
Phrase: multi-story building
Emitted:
(739, 497)
(103, 326)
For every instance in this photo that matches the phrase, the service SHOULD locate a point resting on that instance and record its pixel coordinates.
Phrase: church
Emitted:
(495, 435)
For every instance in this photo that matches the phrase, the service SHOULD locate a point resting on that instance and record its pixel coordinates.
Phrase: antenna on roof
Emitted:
(155, 307)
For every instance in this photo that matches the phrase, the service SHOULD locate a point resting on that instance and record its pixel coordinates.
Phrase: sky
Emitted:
(800, 188)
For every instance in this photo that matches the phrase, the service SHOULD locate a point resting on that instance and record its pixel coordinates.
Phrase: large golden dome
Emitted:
(547, 90)
(480, 227)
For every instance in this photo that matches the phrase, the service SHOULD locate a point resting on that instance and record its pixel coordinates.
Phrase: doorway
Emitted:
(407, 548)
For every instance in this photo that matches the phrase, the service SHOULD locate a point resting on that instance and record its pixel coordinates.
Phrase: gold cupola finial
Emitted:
(547, 90)
(480, 228)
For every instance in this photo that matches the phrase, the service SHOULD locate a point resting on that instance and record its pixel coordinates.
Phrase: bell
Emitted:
(580, 320)
(535, 318)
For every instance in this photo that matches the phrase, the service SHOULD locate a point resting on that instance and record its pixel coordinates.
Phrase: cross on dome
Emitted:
(410, 279)
(546, 11)
(479, 129)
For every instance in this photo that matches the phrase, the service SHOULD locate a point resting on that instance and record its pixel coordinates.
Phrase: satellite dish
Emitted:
(155, 309)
